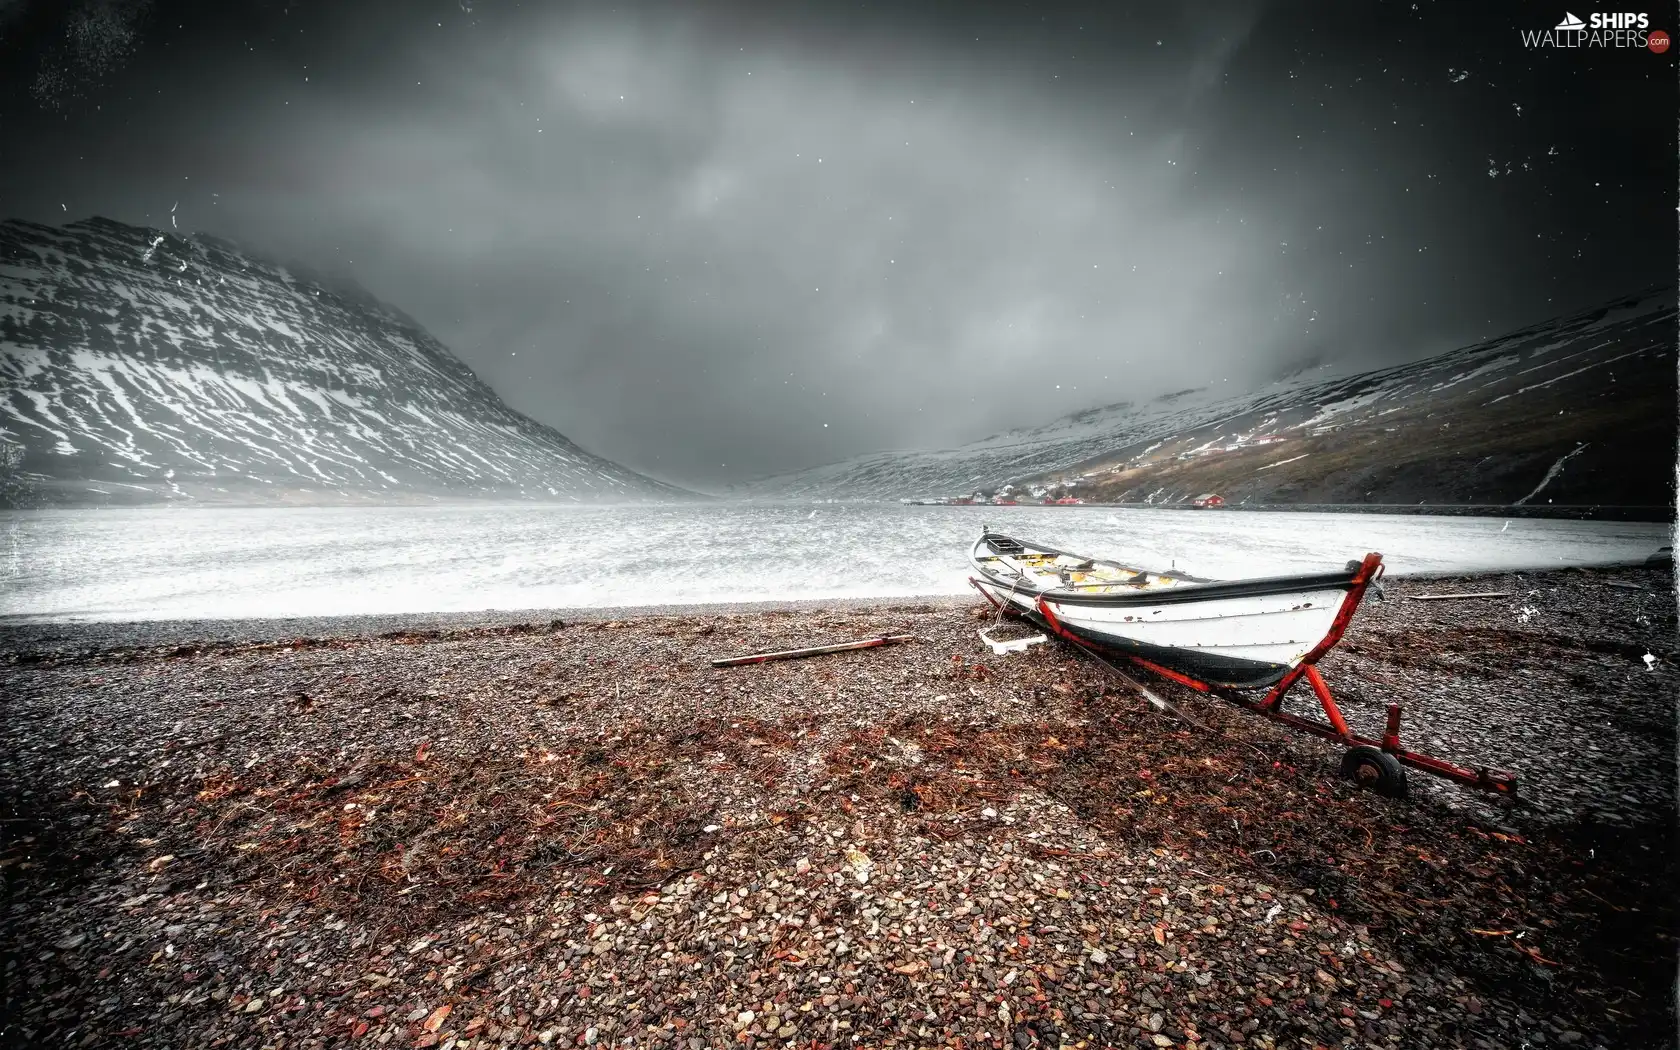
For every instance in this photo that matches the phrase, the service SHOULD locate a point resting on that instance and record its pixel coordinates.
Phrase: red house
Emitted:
(1209, 500)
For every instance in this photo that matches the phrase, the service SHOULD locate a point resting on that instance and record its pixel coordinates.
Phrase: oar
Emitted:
(815, 650)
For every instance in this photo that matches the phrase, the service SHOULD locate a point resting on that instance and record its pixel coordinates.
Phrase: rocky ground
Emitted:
(580, 833)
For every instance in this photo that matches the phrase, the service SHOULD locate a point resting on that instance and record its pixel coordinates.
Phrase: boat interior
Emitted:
(1043, 569)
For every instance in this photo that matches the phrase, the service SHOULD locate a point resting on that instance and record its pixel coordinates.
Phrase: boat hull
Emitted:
(1244, 634)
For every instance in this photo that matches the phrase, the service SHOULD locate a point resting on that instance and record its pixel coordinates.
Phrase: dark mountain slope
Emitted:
(1578, 410)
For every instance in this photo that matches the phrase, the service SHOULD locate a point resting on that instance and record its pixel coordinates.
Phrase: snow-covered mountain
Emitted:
(137, 366)
(1578, 410)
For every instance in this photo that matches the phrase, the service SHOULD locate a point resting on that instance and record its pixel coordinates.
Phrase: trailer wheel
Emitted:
(1376, 770)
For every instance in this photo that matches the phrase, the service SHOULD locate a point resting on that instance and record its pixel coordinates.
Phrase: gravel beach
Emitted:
(560, 830)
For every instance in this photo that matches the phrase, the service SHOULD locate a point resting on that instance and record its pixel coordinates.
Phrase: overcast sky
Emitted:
(717, 240)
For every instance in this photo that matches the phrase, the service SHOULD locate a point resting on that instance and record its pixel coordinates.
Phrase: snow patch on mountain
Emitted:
(182, 367)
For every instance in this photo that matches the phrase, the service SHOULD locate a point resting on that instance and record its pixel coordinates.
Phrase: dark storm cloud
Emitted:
(716, 241)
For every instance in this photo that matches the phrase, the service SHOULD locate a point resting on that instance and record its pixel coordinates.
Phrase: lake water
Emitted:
(229, 563)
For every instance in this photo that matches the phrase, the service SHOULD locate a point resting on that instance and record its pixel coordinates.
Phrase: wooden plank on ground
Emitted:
(815, 650)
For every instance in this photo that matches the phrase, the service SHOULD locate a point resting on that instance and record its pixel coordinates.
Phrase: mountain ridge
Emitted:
(1336, 426)
(138, 365)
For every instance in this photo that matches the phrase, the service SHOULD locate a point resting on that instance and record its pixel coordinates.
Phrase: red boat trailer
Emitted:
(1375, 761)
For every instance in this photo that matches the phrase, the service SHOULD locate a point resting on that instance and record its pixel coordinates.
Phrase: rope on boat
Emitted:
(997, 621)
(1000, 648)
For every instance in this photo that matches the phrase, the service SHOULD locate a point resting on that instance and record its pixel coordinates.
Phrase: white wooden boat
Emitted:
(1238, 634)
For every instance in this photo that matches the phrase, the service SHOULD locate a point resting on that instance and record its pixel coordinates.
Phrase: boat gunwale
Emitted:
(1197, 591)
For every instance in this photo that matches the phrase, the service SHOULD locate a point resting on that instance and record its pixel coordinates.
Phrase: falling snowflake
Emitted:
(1457, 75)
(99, 37)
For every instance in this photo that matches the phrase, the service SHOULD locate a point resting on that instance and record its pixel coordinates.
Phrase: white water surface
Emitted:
(206, 563)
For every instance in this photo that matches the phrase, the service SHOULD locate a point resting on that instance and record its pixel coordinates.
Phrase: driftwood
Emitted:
(815, 650)
(1449, 597)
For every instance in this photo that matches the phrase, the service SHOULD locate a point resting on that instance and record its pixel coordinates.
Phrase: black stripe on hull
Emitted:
(1201, 591)
(1212, 592)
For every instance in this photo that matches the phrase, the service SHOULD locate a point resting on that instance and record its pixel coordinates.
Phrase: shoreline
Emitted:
(500, 831)
(20, 631)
